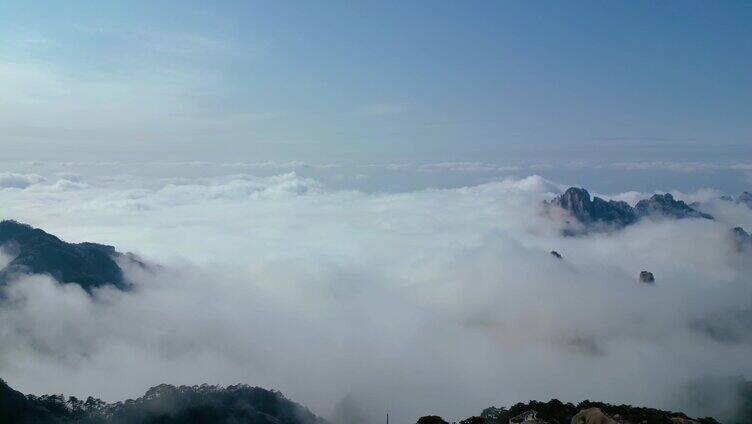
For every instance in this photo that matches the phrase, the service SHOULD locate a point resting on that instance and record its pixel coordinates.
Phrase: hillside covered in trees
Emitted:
(164, 404)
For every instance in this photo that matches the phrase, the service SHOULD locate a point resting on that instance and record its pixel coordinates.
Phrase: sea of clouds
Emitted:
(355, 303)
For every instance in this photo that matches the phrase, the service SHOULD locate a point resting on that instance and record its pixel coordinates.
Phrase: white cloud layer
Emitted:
(441, 301)
(14, 180)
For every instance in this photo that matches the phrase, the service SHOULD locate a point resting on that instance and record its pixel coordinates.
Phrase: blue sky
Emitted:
(377, 81)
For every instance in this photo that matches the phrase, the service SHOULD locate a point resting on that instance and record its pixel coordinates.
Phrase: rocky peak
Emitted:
(596, 211)
(647, 277)
(34, 251)
(664, 205)
(745, 198)
(742, 239)
(577, 202)
(598, 214)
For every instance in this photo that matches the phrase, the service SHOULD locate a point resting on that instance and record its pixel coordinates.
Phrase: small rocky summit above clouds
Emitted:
(34, 251)
(600, 214)
(745, 199)
(647, 277)
(664, 205)
(742, 239)
(596, 211)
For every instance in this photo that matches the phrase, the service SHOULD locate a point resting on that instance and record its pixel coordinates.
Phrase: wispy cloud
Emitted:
(21, 181)
(466, 167)
(119, 80)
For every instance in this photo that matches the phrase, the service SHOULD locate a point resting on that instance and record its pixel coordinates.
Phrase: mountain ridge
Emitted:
(34, 251)
(163, 404)
(595, 213)
(237, 404)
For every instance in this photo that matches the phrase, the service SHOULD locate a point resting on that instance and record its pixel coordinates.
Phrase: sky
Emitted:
(501, 82)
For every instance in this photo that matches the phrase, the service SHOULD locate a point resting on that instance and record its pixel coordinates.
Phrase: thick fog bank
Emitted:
(432, 301)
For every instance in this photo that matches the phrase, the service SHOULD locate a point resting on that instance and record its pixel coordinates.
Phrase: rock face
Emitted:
(596, 211)
(599, 214)
(664, 205)
(647, 277)
(592, 416)
(745, 199)
(742, 239)
(90, 265)
(527, 417)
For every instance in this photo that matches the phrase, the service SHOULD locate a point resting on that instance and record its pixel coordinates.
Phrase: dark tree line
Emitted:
(164, 404)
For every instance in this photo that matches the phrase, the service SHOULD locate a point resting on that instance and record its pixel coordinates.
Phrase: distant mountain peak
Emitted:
(745, 198)
(742, 239)
(664, 205)
(597, 213)
(35, 251)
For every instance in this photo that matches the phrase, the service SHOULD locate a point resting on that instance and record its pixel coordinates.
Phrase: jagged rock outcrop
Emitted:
(664, 205)
(597, 211)
(34, 251)
(647, 277)
(597, 214)
(745, 199)
(742, 239)
(527, 417)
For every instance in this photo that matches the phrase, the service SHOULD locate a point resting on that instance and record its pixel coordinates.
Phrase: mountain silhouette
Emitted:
(34, 251)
